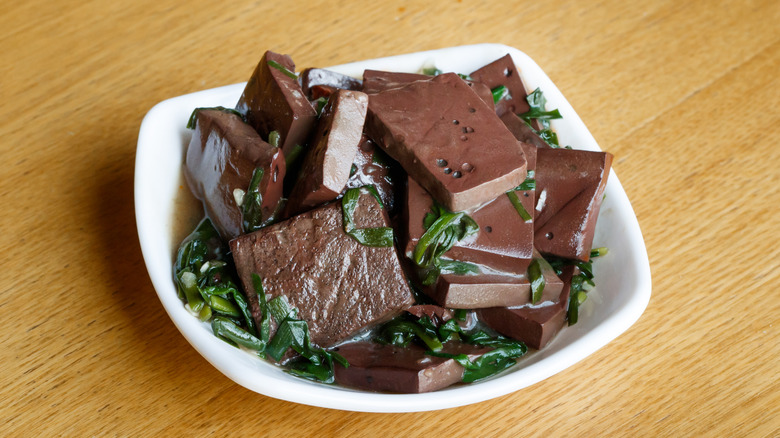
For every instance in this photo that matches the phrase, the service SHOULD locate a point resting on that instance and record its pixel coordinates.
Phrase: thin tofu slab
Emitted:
(338, 285)
(569, 189)
(274, 101)
(448, 140)
(331, 151)
(221, 158)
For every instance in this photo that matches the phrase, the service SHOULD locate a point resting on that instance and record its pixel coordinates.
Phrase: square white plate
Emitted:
(622, 276)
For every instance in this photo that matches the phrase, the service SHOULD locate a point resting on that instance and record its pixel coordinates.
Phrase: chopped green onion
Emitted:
(274, 139)
(431, 71)
(291, 159)
(519, 206)
(500, 92)
(223, 306)
(319, 104)
(265, 322)
(598, 252)
(227, 329)
(536, 277)
(251, 207)
(374, 237)
(537, 103)
(283, 69)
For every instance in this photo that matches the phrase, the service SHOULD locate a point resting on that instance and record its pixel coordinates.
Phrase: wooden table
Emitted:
(684, 94)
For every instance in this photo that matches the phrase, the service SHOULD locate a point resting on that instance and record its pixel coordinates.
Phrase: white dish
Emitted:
(622, 276)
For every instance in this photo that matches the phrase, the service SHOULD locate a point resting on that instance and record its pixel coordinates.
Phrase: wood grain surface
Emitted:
(685, 94)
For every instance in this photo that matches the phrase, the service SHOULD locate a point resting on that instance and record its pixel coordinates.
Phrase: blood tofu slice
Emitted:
(569, 189)
(504, 241)
(533, 325)
(448, 140)
(221, 158)
(338, 285)
(274, 101)
(377, 367)
(504, 72)
(332, 150)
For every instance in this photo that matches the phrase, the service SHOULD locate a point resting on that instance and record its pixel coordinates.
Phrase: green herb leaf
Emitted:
(274, 139)
(265, 325)
(374, 237)
(536, 276)
(431, 71)
(227, 329)
(519, 206)
(537, 102)
(283, 69)
(500, 92)
(441, 235)
(319, 104)
(251, 206)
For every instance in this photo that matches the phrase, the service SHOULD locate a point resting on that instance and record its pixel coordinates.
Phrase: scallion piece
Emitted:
(227, 329)
(537, 111)
(251, 207)
(519, 206)
(598, 252)
(536, 277)
(374, 237)
(500, 92)
(274, 139)
(282, 69)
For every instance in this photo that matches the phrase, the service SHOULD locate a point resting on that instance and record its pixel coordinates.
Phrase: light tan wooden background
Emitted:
(684, 93)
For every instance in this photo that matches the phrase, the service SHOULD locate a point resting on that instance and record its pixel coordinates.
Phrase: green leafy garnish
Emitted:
(227, 329)
(529, 184)
(292, 157)
(512, 194)
(274, 139)
(431, 71)
(580, 283)
(500, 92)
(405, 330)
(537, 103)
(443, 229)
(536, 277)
(283, 69)
(205, 280)
(319, 104)
(374, 237)
(193, 120)
(313, 363)
(251, 207)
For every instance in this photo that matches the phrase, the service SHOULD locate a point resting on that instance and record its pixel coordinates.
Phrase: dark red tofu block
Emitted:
(448, 140)
(373, 167)
(274, 101)
(569, 189)
(489, 290)
(338, 285)
(377, 367)
(522, 131)
(533, 325)
(433, 312)
(375, 81)
(221, 157)
(504, 72)
(504, 242)
(318, 82)
(331, 151)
